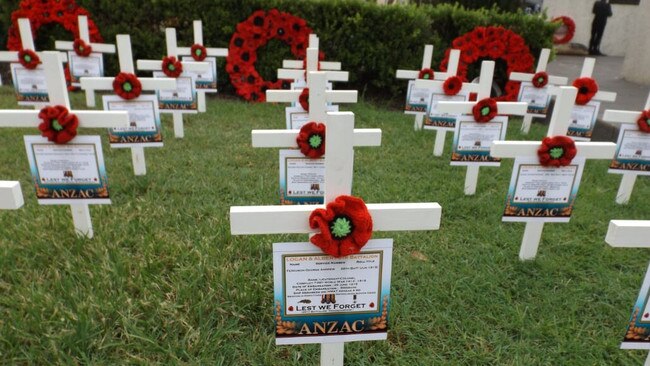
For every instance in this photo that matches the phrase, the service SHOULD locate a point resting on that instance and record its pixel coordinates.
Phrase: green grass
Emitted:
(164, 282)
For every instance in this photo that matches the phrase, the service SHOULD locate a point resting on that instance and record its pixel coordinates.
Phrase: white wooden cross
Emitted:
(187, 51)
(90, 84)
(559, 125)
(84, 34)
(452, 70)
(296, 70)
(629, 234)
(27, 43)
(629, 177)
(11, 196)
(156, 65)
(253, 220)
(542, 63)
(58, 94)
(504, 108)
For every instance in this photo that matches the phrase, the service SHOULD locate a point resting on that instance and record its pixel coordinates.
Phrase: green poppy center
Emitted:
(171, 67)
(81, 48)
(647, 121)
(341, 227)
(198, 52)
(485, 111)
(427, 76)
(27, 58)
(556, 152)
(56, 125)
(540, 79)
(315, 141)
(127, 86)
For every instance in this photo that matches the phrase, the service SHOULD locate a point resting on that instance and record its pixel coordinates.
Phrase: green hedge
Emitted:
(371, 41)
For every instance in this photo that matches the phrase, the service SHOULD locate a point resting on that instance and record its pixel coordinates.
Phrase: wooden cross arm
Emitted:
(514, 149)
(87, 119)
(11, 196)
(616, 116)
(248, 220)
(212, 52)
(97, 83)
(508, 108)
(554, 80)
(413, 75)
(12, 56)
(296, 74)
(324, 65)
(287, 138)
(628, 234)
(156, 65)
(97, 47)
(331, 96)
(605, 96)
(437, 83)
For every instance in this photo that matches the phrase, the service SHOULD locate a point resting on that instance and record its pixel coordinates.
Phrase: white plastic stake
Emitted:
(83, 225)
(439, 144)
(471, 179)
(179, 131)
(139, 163)
(530, 241)
(332, 354)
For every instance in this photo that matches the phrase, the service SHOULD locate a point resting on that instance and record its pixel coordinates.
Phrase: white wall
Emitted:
(636, 67)
(619, 26)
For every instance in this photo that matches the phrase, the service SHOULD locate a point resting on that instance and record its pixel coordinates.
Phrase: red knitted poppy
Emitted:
(485, 110)
(311, 140)
(540, 79)
(644, 121)
(587, 88)
(426, 74)
(127, 86)
(452, 85)
(28, 59)
(345, 226)
(59, 126)
(199, 52)
(557, 151)
(303, 99)
(172, 67)
(81, 48)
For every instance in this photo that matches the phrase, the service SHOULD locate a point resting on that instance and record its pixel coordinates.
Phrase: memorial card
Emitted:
(632, 151)
(472, 141)
(205, 81)
(435, 120)
(302, 179)
(583, 121)
(543, 194)
(181, 99)
(296, 117)
(323, 299)
(30, 85)
(91, 66)
(144, 122)
(68, 173)
(417, 99)
(538, 99)
(637, 335)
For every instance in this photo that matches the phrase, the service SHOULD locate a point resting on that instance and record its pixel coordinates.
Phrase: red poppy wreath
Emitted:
(58, 125)
(557, 151)
(570, 26)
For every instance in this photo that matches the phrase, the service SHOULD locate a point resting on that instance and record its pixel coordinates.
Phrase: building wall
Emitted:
(619, 27)
(636, 67)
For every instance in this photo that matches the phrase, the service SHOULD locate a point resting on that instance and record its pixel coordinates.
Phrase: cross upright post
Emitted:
(58, 95)
(629, 176)
(411, 75)
(314, 42)
(312, 65)
(558, 126)
(527, 78)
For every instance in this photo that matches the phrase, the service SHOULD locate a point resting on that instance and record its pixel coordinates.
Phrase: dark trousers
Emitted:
(597, 30)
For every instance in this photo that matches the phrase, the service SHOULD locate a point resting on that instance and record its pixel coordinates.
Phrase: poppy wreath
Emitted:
(303, 99)
(540, 79)
(345, 226)
(59, 125)
(587, 89)
(28, 59)
(485, 110)
(570, 30)
(253, 33)
(426, 74)
(492, 43)
(44, 12)
(644, 121)
(172, 67)
(557, 151)
(452, 85)
(81, 48)
(127, 86)
(311, 140)
(199, 52)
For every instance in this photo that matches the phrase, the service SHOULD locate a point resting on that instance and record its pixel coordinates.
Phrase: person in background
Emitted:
(601, 10)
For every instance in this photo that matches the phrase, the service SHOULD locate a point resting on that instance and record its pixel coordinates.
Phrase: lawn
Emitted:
(164, 282)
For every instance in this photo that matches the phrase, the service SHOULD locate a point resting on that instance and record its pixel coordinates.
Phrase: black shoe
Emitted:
(593, 53)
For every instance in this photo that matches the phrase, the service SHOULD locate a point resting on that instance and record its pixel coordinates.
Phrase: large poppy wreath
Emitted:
(493, 43)
(569, 31)
(253, 33)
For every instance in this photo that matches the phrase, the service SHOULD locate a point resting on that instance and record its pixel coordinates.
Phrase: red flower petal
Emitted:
(303, 99)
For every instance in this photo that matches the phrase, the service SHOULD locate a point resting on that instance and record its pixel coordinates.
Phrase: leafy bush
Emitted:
(371, 41)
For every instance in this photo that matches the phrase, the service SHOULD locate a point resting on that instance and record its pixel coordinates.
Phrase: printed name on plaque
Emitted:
(632, 152)
(68, 173)
(323, 299)
(30, 86)
(435, 120)
(637, 335)
(544, 194)
(583, 121)
(91, 66)
(183, 98)
(302, 179)
(144, 121)
(206, 81)
(538, 99)
(296, 117)
(417, 99)
(472, 141)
